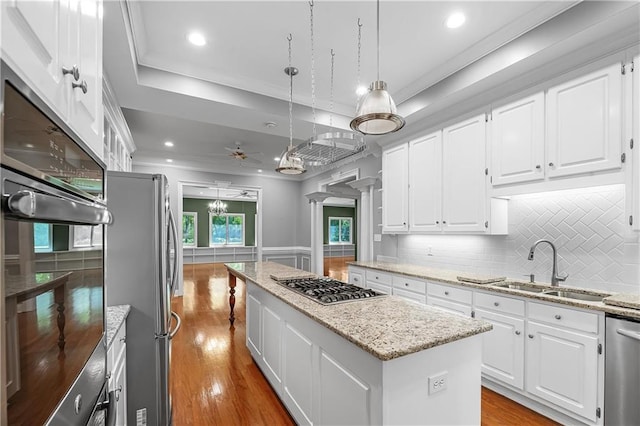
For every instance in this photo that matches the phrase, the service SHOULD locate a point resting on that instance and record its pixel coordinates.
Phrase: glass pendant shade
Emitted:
(377, 114)
(290, 164)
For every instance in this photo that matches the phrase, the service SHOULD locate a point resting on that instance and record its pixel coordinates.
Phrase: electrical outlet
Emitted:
(429, 251)
(438, 382)
(377, 237)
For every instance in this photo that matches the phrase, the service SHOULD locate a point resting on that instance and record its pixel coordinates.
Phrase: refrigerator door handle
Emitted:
(174, 233)
(173, 332)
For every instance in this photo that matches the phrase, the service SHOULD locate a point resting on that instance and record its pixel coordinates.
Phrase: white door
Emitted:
(425, 183)
(254, 326)
(503, 348)
(562, 368)
(297, 377)
(395, 189)
(584, 123)
(517, 141)
(85, 50)
(34, 36)
(635, 223)
(463, 176)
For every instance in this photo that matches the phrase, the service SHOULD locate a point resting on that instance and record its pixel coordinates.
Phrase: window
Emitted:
(226, 229)
(42, 237)
(189, 229)
(340, 230)
(85, 236)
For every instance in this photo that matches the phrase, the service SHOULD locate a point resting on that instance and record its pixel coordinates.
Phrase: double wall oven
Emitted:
(53, 350)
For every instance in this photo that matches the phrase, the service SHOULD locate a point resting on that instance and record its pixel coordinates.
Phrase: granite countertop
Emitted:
(387, 327)
(116, 316)
(627, 305)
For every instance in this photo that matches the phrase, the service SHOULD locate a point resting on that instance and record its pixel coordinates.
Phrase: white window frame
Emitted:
(195, 229)
(47, 249)
(340, 218)
(226, 215)
(92, 244)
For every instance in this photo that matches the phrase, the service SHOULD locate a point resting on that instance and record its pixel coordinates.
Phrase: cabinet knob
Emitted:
(558, 317)
(356, 279)
(123, 339)
(496, 303)
(82, 86)
(550, 164)
(74, 71)
(538, 167)
(406, 284)
(531, 336)
(437, 222)
(517, 332)
(446, 293)
(444, 222)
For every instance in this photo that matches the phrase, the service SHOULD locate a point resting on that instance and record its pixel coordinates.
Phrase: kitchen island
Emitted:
(380, 360)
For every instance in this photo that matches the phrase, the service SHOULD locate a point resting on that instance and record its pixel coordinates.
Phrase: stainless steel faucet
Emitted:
(555, 277)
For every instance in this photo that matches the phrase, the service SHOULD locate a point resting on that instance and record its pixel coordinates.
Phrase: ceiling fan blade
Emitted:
(251, 160)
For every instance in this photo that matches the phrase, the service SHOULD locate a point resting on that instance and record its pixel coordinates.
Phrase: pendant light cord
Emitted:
(331, 94)
(313, 74)
(378, 35)
(290, 96)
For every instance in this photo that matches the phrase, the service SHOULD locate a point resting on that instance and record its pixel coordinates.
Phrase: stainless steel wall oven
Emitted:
(52, 261)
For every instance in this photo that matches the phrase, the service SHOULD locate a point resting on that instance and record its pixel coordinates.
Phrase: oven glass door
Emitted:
(54, 303)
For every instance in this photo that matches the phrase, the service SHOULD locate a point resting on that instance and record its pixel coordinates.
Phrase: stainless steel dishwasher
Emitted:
(622, 372)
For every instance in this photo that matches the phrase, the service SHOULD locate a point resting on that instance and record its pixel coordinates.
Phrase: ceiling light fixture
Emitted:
(455, 20)
(169, 160)
(217, 207)
(289, 163)
(196, 38)
(168, 143)
(377, 113)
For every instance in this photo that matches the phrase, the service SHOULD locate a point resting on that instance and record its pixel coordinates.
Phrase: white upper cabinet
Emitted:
(425, 183)
(584, 123)
(517, 141)
(463, 176)
(634, 220)
(56, 48)
(395, 189)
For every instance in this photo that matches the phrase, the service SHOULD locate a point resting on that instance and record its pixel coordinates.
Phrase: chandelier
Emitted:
(217, 207)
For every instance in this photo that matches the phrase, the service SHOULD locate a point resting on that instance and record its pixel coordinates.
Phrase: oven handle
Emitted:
(37, 206)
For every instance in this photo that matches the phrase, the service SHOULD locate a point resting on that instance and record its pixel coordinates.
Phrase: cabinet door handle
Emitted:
(82, 86)
(123, 339)
(531, 336)
(446, 293)
(496, 303)
(517, 332)
(538, 167)
(437, 222)
(550, 164)
(444, 222)
(74, 71)
(558, 317)
(406, 284)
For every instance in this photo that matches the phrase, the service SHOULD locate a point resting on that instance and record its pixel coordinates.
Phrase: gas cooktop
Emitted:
(328, 291)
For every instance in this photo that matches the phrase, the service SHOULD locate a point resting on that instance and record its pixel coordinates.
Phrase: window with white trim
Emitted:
(85, 237)
(340, 230)
(189, 229)
(42, 237)
(226, 230)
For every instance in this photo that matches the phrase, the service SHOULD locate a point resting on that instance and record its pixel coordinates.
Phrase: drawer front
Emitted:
(379, 277)
(116, 348)
(410, 295)
(501, 304)
(449, 306)
(410, 284)
(356, 278)
(564, 317)
(382, 288)
(449, 293)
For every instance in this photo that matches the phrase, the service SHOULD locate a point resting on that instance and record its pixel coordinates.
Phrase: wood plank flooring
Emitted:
(216, 382)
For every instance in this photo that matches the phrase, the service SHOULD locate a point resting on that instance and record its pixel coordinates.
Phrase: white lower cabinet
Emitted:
(379, 281)
(117, 370)
(356, 276)
(297, 363)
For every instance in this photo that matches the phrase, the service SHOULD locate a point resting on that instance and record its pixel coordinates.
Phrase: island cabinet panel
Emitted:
(254, 326)
(344, 397)
(298, 380)
(271, 339)
(562, 368)
(503, 348)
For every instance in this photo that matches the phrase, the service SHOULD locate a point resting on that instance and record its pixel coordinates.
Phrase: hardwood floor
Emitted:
(216, 382)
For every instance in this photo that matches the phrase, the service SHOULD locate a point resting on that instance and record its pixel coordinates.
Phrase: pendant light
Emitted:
(290, 164)
(377, 114)
(217, 207)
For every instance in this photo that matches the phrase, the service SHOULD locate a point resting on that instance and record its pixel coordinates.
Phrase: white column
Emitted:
(317, 256)
(365, 231)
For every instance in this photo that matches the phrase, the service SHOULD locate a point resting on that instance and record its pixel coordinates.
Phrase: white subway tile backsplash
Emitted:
(587, 226)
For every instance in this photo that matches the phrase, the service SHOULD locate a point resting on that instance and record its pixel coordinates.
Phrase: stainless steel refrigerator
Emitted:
(141, 272)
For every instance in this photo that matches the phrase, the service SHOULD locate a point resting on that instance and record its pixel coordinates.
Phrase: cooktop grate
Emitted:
(328, 291)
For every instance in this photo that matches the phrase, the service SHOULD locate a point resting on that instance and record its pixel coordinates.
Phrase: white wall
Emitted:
(587, 226)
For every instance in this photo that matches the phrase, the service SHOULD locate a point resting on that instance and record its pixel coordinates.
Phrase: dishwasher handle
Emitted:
(628, 333)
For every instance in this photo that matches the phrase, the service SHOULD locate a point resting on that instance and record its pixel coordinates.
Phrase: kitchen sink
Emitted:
(589, 297)
(533, 288)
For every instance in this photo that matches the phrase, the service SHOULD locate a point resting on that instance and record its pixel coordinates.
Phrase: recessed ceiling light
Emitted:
(168, 143)
(276, 159)
(197, 39)
(361, 90)
(455, 20)
(201, 192)
(169, 160)
(259, 170)
(28, 145)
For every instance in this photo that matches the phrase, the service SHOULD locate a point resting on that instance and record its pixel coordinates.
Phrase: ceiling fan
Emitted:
(239, 154)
